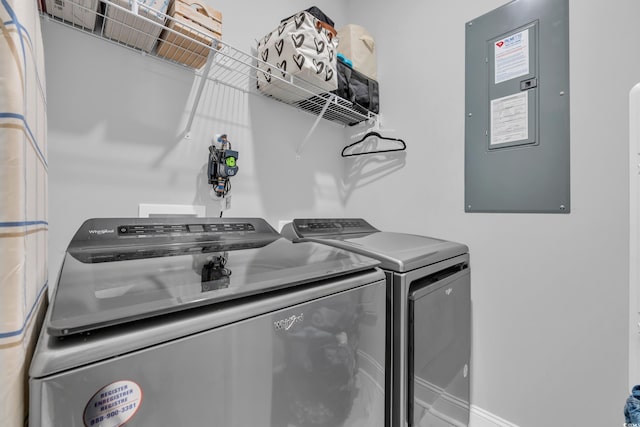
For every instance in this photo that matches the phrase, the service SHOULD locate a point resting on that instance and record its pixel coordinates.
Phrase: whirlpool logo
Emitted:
(286, 324)
(103, 231)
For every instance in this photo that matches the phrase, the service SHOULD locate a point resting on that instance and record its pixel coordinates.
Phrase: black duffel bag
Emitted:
(357, 88)
(315, 11)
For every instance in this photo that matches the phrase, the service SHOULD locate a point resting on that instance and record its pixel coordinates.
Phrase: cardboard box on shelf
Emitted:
(198, 25)
(357, 45)
(139, 26)
(77, 12)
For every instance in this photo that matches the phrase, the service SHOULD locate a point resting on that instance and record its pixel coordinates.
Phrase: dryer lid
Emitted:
(399, 252)
(122, 270)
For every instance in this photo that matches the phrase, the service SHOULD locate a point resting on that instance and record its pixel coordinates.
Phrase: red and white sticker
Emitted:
(113, 405)
(511, 56)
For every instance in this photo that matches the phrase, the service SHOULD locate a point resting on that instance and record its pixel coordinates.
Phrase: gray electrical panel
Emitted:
(517, 109)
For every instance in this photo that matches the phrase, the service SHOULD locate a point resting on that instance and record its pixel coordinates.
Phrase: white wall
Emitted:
(117, 121)
(549, 291)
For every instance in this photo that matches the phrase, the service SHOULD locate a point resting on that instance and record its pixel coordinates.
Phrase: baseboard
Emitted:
(481, 418)
(444, 406)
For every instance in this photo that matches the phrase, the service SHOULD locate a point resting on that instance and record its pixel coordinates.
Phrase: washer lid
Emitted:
(121, 270)
(398, 252)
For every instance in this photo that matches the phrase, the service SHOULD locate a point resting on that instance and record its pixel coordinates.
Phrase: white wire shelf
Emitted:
(161, 36)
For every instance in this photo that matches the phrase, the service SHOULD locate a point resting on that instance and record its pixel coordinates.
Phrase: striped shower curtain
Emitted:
(23, 201)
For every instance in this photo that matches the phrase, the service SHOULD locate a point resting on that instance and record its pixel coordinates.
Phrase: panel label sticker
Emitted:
(511, 56)
(113, 405)
(510, 118)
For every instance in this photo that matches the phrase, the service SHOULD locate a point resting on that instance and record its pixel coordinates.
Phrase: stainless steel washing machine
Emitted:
(429, 321)
(193, 322)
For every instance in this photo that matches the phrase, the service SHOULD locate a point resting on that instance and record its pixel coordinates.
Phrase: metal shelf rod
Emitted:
(196, 101)
(313, 128)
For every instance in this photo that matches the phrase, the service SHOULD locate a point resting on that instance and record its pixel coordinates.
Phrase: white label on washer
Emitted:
(511, 56)
(113, 405)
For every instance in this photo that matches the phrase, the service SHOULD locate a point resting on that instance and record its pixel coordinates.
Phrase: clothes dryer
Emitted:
(200, 321)
(429, 316)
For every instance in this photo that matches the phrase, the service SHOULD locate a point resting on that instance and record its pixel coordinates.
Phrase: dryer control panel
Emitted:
(331, 227)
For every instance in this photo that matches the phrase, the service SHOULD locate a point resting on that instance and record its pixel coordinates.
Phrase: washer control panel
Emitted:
(108, 232)
(183, 229)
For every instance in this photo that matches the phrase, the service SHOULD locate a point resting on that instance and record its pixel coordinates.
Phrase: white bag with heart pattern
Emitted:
(300, 51)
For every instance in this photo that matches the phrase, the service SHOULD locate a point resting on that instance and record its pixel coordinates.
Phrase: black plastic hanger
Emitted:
(377, 135)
